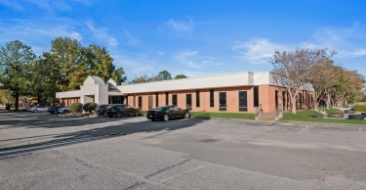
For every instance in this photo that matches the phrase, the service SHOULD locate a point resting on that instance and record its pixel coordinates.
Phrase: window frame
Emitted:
(175, 96)
(190, 102)
(139, 102)
(241, 108)
(198, 99)
(212, 98)
(222, 108)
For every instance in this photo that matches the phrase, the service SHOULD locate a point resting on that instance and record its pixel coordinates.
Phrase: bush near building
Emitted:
(76, 107)
(360, 108)
(90, 107)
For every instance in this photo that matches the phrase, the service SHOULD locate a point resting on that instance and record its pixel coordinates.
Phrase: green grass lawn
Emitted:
(332, 110)
(303, 115)
(223, 115)
(219, 115)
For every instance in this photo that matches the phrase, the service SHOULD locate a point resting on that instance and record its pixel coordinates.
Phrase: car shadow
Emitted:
(107, 131)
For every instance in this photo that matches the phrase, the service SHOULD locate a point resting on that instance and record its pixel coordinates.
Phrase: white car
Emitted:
(36, 109)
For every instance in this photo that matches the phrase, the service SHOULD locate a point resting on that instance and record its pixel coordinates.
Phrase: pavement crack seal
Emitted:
(167, 168)
(140, 179)
(185, 172)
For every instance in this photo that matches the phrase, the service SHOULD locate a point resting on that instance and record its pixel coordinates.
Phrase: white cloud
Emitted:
(131, 39)
(50, 5)
(191, 59)
(12, 4)
(100, 33)
(180, 25)
(257, 51)
(135, 65)
(160, 53)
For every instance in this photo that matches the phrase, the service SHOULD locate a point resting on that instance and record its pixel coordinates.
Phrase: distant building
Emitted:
(235, 92)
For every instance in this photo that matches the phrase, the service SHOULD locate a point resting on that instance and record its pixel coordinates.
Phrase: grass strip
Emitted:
(303, 115)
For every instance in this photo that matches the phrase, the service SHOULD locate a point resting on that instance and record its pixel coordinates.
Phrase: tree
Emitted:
(145, 78)
(165, 75)
(180, 76)
(6, 96)
(323, 75)
(349, 86)
(77, 62)
(293, 69)
(14, 58)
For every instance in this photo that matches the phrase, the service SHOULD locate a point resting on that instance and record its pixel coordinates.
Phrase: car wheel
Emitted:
(35, 111)
(105, 115)
(186, 115)
(119, 115)
(166, 117)
(136, 113)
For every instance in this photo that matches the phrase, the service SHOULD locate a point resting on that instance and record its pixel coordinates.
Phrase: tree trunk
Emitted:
(16, 101)
(293, 102)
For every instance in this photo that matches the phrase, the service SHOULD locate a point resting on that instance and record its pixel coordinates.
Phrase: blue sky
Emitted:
(196, 38)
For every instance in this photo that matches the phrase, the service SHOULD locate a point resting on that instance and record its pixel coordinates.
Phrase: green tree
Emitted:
(180, 76)
(43, 79)
(14, 58)
(165, 75)
(6, 96)
(77, 62)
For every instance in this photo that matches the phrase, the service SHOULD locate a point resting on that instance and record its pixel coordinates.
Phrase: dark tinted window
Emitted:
(162, 108)
(166, 98)
(256, 96)
(243, 101)
(175, 99)
(156, 99)
(222, 101)
(188, 101)
(140, 102)
(212, 98)
(197, 98)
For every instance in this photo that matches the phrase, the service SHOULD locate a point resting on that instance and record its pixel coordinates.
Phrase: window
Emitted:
(197, 98)
(156, 99)
(150, 102)
(189, 101)
(166, 98)
(256, 96)
(140, 102)
(243, 101)
(222, 101)
(174, 98)
(212, 98)
(134, 101)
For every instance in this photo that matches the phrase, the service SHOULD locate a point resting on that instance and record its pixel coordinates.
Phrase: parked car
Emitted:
(129, 111)
(63, 110)
(167, 112)
(114, 110)
(53, 109)
(118, 110)
(102, 110)
(36, 109)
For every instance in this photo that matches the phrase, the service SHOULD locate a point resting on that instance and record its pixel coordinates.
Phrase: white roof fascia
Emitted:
(217, 81)
(68, 94)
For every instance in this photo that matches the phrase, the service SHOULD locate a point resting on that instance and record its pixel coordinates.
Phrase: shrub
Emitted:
(89, 107)
(360, 108)
(76, 107)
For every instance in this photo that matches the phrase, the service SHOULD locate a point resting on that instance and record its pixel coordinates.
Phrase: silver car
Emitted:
(36, 109)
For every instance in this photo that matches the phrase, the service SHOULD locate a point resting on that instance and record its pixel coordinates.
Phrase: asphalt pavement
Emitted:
(43, 151)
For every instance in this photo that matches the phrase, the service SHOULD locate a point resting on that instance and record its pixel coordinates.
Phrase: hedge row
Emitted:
(79, 107)
(360, 108)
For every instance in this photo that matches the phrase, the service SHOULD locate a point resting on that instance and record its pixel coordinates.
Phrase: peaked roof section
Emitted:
(112, 88)
(97, 79)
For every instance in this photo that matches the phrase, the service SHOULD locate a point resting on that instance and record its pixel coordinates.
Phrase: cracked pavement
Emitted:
(46, 152)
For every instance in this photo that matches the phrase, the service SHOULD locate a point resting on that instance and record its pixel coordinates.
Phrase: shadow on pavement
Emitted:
(98, 133)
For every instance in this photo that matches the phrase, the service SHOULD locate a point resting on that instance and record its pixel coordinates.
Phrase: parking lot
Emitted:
(43, 151)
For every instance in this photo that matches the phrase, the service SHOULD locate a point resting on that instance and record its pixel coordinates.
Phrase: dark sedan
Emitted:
(102, 110)
(166, 113)
(129, 111)
(53, 109)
